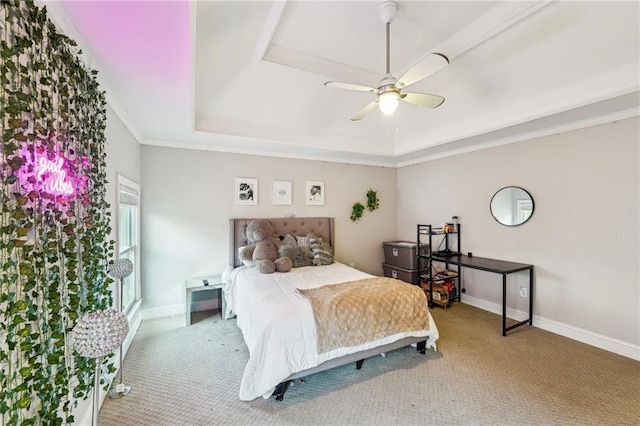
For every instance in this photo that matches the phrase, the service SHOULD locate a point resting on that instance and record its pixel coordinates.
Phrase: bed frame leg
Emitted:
(359, 364)
(421, 346)
(281, 388)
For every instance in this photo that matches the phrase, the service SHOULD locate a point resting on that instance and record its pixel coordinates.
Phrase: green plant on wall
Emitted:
(372, 200)
(356, 211)
(54, 222)
(373, 203)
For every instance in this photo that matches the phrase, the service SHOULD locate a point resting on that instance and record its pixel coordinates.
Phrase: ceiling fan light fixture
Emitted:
(390, 91)
(388, 102)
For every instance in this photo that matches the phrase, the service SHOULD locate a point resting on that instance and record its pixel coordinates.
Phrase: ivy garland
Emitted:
(54, 248)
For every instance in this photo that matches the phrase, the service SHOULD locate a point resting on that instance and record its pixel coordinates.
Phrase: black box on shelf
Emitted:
(406, 275)
(403, 254)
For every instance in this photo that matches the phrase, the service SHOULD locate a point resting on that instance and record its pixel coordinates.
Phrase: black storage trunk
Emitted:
(402, 254)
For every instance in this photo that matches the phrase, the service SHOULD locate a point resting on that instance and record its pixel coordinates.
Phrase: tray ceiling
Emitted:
(249, 77)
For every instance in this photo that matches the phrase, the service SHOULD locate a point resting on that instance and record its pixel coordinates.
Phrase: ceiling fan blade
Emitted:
(429, 65)
(349, 86)
(364, 111)
(423, 99)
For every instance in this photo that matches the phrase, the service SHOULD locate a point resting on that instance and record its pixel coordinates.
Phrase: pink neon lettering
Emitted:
(55, 181)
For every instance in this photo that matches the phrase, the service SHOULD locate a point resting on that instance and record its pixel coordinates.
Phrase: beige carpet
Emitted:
(190, 376)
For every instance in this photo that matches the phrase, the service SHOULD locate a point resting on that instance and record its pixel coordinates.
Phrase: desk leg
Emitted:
(531, 296)
(504, 304)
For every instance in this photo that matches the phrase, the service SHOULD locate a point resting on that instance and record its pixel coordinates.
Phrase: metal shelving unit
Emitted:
(448, 245)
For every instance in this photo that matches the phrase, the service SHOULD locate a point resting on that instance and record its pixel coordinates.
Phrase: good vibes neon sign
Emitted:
(52, 177)
(52, 173)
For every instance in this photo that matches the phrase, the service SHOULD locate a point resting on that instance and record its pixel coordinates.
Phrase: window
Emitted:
(128, 244)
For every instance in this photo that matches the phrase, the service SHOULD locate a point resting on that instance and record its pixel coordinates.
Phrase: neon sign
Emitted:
(51, 173)
(52, 177)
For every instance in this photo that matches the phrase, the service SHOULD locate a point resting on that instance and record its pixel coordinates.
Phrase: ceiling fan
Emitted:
(389, 91)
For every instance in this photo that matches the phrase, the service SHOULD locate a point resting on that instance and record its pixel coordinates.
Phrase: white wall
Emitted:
(188, 199)
(583, 236)
(123, 156)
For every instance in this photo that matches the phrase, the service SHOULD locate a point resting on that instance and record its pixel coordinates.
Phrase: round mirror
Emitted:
(512, 206)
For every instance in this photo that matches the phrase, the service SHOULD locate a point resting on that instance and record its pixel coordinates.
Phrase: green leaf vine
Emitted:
(54, 248)
(373, 203)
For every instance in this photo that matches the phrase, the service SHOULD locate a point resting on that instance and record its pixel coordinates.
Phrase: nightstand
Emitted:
(203, 284)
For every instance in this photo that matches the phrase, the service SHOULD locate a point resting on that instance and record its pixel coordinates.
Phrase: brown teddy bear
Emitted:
(263, 249)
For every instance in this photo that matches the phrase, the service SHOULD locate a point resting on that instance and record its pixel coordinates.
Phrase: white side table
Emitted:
(203, 284)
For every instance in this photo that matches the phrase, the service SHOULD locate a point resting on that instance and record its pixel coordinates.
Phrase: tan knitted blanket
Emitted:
(357, 312)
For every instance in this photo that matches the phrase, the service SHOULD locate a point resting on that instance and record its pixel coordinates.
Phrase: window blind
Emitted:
(127, 195)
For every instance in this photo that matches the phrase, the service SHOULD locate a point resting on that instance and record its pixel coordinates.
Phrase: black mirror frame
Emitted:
(533, 206)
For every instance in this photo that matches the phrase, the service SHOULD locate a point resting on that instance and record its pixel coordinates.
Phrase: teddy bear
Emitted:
(263, 248)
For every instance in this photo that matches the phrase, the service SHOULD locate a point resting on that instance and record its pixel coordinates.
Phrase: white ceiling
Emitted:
(248, 76)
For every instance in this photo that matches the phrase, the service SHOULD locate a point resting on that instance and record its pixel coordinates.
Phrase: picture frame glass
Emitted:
(314, 193)
(246, 191)
(281, 193)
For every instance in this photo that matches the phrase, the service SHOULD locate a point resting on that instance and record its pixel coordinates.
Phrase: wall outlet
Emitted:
(352, 265)
(523, 292)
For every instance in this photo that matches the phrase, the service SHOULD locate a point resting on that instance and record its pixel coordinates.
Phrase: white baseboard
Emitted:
(495, 308)
(165, 311)
(593, 339)
(172, 310)
(599, 341)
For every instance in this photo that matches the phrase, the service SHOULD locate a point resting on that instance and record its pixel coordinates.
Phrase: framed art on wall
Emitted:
(314, 193)
(281, 193)
(246, 191)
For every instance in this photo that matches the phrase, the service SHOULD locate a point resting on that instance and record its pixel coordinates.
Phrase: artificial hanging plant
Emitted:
(54, 222)
(372, 200)
(356, 211)
(373, 203)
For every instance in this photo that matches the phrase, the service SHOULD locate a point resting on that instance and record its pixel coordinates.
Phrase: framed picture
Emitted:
(314, 193)
(281, 193)
(246, 191)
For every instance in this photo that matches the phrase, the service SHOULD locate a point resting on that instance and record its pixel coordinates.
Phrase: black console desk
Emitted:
(499, 267)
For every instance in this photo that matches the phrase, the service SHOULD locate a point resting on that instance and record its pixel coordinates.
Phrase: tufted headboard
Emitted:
(319, 226)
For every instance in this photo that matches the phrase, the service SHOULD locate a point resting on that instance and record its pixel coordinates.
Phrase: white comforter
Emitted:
(278, 326)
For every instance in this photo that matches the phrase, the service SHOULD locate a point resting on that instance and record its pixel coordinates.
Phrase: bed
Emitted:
(278, 322)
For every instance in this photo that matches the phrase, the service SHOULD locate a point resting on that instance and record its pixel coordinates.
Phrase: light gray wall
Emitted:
(123, 153)
(582, 238)
(124, 157)
(188, 199)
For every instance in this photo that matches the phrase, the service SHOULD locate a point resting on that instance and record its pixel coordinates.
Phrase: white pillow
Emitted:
(303, 241)
(290, 240)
